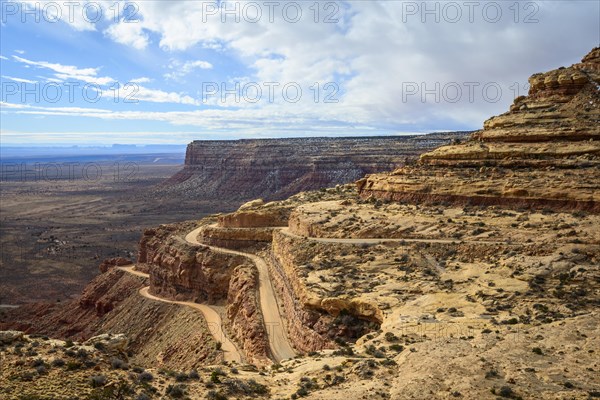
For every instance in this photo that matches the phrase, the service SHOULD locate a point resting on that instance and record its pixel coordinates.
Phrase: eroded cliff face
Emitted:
(78, 319)
(236, 238)
(303, 325)
(316, 320)
(182, 271)
(243, 314)
(251, 226)
(279, 168)
(185, 272)
(543, 153)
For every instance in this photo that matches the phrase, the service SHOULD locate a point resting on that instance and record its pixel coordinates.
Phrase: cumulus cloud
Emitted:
(141, 93)
(375, 49)
(394, 68)
(129, 34)
(142, 79)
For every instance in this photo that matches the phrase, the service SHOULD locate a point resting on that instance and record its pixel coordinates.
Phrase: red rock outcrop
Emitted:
(259, 218)
(76, 319)
(310, 319)
(113, 262)
(236, 238)
(244, 316)
(543, 153)
(251, 225)
(182, 271)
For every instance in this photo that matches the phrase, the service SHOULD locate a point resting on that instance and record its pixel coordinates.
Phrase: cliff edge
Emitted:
(543, 153)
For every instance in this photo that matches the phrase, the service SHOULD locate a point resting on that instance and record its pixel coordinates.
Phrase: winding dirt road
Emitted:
(286, 231)
(213, 319)
(131, 269)
(279, 344)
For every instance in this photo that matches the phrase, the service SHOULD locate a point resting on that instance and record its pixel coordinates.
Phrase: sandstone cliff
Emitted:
(278, 168)
(244, 316)
(544, 152)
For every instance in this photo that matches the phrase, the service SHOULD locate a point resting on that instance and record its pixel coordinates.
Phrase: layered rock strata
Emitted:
(236, 238)
(543, 153)
(278, 168)
(303, 325)
(251, 225)
(244, 315)
(181, 271)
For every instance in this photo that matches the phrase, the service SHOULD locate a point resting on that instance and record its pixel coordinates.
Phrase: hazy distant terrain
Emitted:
(63, 210)
(63, 152)
(60, 216)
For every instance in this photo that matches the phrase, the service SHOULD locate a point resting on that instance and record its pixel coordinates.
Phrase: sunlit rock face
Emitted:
(543, 153)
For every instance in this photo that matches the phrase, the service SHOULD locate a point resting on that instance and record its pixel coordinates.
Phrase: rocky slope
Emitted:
(469, 302)
(244, 316)
(279, 168)
(159, 334)
(544, 152)
(380, 299)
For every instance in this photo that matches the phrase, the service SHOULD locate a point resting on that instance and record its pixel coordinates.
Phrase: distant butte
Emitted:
(275, 169)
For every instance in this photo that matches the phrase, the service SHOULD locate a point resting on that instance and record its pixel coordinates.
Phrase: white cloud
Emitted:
(104, 80)
(4, 104)
(142, 93)
(66, 72)
(242, 120)
(20, 51)
(191, 65)
(133, 92)
(129, 34)
(3, 58)
(377, 48)
(371, 54)
(70, 12)
(179, 69)
(20, 80)
(142, 79)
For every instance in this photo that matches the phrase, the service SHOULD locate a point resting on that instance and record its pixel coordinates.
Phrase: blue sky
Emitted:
(169, 71)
